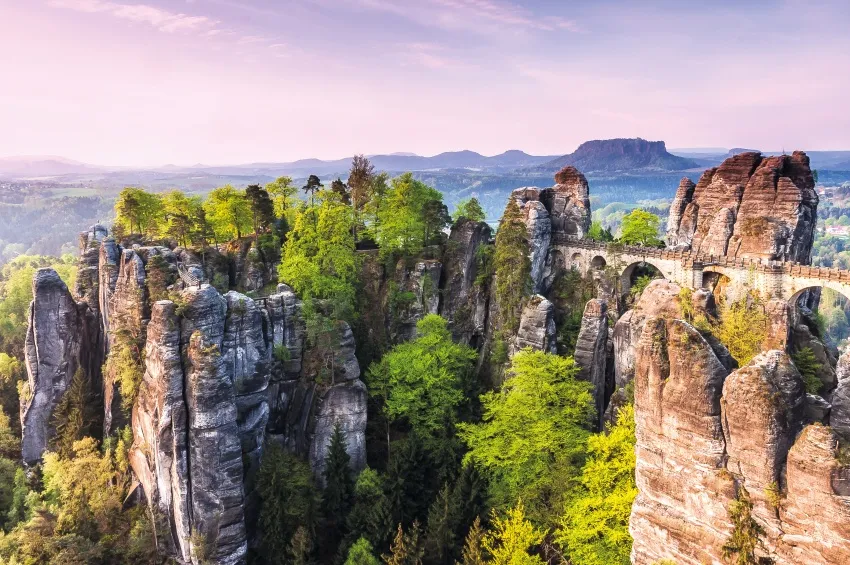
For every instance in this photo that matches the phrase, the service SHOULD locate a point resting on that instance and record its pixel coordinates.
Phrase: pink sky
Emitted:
(150, 82)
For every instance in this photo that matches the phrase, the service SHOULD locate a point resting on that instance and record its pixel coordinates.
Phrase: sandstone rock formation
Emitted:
(536, 327)
(464, 300)
(591, 354)
(57, 345)
(680, 511)
(840, 414)
(563, 210)
(702, 438)
(750, 206)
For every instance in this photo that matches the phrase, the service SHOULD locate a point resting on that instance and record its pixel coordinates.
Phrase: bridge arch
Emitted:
(577, 262)
(598, 263)
(634, 267)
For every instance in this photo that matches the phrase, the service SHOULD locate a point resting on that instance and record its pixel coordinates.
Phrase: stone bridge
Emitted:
(770, 279)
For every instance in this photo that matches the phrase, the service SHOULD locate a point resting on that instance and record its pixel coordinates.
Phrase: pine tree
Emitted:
(473, 551)
(468, 500)
(361, 554)
(339, 489)
(745, 540)
(370, 517)
(406, 548)
(72, 415)
(439, 534)
(512, 266)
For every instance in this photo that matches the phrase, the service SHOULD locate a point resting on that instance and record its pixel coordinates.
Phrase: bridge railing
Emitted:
(688, 257)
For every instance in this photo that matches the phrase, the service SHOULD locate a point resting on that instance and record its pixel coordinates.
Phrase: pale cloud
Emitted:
(428, 55)
(475, 15)
(163, 20)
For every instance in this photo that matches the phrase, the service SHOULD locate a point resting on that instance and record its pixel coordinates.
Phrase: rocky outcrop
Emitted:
(58, 343)
(464, 297)
(415, 293)
(750, 206)
(591, 354)
(563, 210)
(680, 512)
(840, 415)
(701, 439)
(536, 327)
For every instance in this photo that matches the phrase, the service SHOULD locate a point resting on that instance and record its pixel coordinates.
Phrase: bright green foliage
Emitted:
(183, 217)
(470, 209)
(640, 227)
(640, 284)
(599, 233)
(289, 499)
(377, 196)
(282, 193)
(595, 527)
(139, 211)
(403, 225)
(16, 294)
(361, 553)
(511, 540)
(78, 517)
(125, 367)
(406, 548)
(534, 432)
(338, 495)
(228, 212)
(745, 540)
(319, 258)
(809, 368)
(512, 267)
(742, 329)
(473, 547)
(422, 381)
(17, 510)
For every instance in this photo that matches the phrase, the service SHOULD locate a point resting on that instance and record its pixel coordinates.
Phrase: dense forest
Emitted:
(507, 469)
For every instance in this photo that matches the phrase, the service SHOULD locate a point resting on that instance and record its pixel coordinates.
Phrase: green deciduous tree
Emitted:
(512, 266)
(228, 213)
(742, 328)
(410, 213)
(533, 433)
(139, 211)
(511, 540)
(422, 381)
(594, 529)
(640, 227)
(361, 553)
(319, 258)
(599, 233)
(182, 217)
(282, 192)
(470, 209)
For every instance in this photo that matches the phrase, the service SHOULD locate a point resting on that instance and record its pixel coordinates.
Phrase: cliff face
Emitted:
(750, 206)
(222, 375)
(703, 437)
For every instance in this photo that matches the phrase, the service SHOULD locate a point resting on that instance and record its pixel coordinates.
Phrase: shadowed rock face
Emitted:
(591, 354)
(750, 206)
(54, 350)
(464, 304)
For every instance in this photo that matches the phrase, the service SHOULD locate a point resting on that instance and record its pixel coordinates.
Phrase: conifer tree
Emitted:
(72, 415)
(439, 533)
(512, 267)
(370, 516)
(473, 551)
(406, 548)
(339, 488)
(361, 554)
(262, 208)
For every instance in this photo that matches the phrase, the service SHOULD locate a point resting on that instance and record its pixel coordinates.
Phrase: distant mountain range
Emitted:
(599, 157)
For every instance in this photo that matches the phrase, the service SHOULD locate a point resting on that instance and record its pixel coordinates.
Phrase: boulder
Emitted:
(344, 404)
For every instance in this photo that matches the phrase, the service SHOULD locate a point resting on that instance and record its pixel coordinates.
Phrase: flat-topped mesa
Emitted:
(751, 206)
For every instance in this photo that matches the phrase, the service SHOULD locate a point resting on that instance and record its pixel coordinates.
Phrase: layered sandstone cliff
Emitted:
(750, 206)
